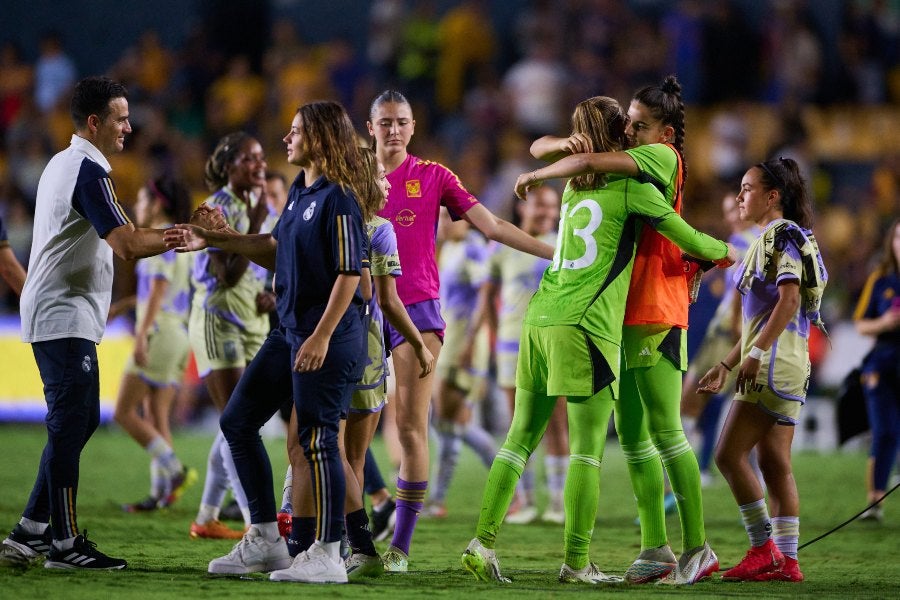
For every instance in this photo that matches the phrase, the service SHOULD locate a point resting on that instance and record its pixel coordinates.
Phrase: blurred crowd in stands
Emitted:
(823, 91)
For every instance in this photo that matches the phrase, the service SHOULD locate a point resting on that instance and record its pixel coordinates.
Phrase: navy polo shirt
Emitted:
(320, 236)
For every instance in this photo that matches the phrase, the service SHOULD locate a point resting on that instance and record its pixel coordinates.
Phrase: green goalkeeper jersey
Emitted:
(587, 282)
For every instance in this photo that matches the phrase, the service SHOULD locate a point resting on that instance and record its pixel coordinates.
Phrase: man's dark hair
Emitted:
(92, 96)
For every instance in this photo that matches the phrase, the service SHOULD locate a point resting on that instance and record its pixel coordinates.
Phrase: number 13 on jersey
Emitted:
(594, 214)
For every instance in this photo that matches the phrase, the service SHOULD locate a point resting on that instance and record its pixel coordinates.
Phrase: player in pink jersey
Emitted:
(418, 189)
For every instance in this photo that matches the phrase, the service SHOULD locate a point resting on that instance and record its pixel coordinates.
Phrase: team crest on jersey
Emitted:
(405, 217)
(308, 213)
(86, 364)
(413, 188)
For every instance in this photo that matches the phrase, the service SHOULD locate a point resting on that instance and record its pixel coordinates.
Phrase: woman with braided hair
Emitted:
(571, 341)
(654, 340)
(226, 327)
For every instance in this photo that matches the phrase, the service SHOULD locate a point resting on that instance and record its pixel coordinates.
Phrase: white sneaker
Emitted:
(313, 566)
(694, 565)
(482, 562)
(651, 564)
(362, 565)
(554, 515)
(253, 554)
(874, 513)
(522, 516)
(589, 574)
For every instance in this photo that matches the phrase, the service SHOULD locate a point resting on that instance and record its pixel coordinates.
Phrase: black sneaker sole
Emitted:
(52, 564)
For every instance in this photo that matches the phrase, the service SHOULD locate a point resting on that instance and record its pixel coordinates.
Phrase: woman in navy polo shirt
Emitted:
(316, 250)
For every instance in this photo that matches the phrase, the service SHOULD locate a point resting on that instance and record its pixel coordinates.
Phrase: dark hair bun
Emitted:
(670, 85)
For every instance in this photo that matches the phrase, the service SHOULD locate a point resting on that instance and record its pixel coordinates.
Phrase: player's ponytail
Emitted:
(216, 171)
(783, 174)
(603, 121)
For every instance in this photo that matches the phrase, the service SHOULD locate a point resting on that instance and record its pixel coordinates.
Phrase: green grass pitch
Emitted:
(860, 561)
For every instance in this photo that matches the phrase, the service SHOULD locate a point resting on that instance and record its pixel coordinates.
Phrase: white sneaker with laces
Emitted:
(253, 554)
(589, 574)
(313, 566)
(694, 565)
(482, 562)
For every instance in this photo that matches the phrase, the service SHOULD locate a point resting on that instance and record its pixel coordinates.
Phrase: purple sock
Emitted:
(410, 500)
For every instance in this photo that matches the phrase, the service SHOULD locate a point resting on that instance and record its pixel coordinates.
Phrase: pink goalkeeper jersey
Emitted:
(418, 190)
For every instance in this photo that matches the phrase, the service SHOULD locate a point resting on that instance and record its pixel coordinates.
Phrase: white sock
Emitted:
(268, 531)
(207, 513)
(65, 544)
(556, 468)
(786, 534)
(234, 482)
(216, 483)
(158, 479)
(160, 449)
(287, 504)
(332, 548)
(756, 521)
(33, 527)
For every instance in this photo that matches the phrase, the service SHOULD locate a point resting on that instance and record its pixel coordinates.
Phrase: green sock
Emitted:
(498, 492)
(684, 476)
(588, 423)
(660, 387)
(644, 468)
(646, 473)
(530, 417)
(581, 495)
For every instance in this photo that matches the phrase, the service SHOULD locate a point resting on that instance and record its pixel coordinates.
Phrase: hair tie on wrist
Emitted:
(727, 368)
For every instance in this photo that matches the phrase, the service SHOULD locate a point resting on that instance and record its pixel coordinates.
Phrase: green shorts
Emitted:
(220, 344)
(564, 360)
(644, 345)
(167, 355)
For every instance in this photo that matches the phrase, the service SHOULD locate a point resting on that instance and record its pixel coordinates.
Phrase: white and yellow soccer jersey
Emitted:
(783, 252)
(235, 304)
(518, 274)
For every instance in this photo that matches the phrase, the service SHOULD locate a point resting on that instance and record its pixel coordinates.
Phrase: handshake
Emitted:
(208, 217)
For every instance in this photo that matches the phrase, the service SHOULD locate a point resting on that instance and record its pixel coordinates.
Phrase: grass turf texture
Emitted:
(859, 561)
